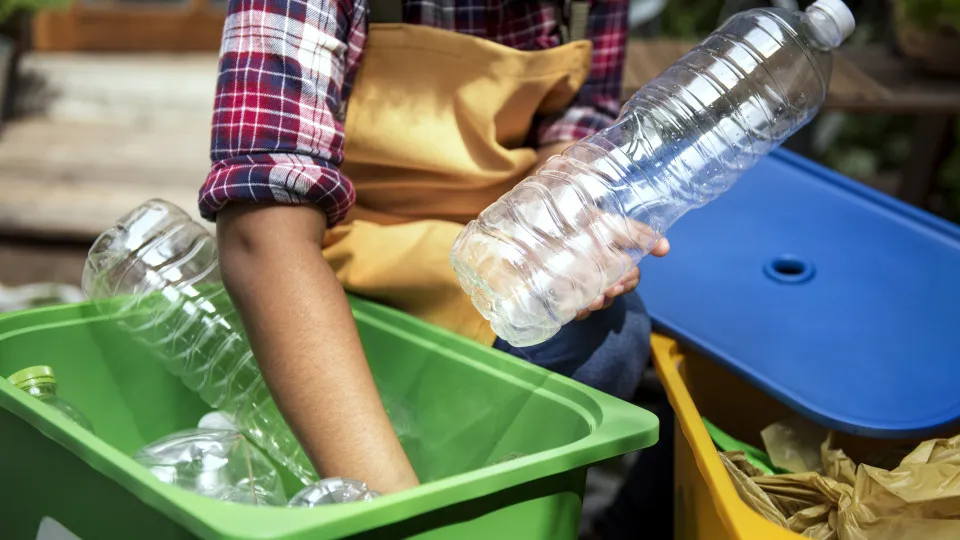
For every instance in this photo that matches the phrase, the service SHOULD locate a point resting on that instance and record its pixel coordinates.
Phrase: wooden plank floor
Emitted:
(70, 181)
(865, 79)
(108, 132)
(22, 263)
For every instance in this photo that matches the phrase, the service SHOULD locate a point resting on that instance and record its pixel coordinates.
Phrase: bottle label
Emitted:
(51, 529)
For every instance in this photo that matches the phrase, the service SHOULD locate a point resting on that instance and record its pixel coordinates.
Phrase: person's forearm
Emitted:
(305, 340)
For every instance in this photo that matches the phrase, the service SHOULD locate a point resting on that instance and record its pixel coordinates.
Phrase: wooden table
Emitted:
(69, 182)
(62, 184)
(865, 80)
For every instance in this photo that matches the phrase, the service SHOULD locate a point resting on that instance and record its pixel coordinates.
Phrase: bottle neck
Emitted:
(40, 390)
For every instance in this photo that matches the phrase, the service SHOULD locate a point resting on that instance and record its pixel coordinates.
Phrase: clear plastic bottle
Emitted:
(216, 463)
(557, 240)
(156, 272)
(39, 382)
(333, 491)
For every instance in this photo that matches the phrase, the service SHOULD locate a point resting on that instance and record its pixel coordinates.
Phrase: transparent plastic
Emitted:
(405, 421)
(215, 463)
(333, 491)
(191, 324)
(156, 273)
(45, 389)
(560, 238)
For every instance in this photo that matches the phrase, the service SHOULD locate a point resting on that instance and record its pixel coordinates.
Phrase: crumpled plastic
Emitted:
(793, 444)
(217, 463)
(333, 491)
(920, 498)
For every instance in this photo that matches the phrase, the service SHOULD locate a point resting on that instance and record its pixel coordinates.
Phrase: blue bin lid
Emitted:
(834, 298)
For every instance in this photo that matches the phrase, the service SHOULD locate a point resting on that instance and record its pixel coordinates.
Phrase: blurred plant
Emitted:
(10, 7)
(932, 14)
(690, 19)
(865, 145)
(949, 182)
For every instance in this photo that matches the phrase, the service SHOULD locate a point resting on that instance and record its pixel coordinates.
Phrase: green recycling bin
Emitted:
(474, 405)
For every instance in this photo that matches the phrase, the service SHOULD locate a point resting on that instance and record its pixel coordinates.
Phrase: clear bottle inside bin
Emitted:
(39, 382)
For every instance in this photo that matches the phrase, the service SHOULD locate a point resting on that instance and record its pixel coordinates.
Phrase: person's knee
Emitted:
(607, 351)
(617, 364)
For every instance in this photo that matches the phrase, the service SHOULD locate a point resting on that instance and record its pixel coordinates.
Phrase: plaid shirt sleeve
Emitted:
(277, 131)
(597, 104)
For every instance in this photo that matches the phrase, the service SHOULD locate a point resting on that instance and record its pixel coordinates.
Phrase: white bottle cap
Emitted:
(218, 420)
(839, 13)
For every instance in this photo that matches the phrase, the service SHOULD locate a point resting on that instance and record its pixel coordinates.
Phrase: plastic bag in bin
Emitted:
(919, 498)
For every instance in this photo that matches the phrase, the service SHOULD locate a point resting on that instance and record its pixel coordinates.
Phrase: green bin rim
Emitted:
(617, 427)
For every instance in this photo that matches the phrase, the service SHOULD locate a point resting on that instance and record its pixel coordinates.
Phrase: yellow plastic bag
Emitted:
(920, 498)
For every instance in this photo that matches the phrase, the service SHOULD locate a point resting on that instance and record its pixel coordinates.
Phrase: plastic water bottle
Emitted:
(156, 273)
(215, 463)
(39, 382)
(333, 491)
(557, 240)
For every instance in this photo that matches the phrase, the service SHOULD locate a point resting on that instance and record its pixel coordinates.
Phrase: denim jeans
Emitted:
(608, 350)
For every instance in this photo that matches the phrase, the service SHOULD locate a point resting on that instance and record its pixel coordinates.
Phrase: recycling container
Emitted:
(824, 293)
(473, 405)
(802, 292)
(706, 504)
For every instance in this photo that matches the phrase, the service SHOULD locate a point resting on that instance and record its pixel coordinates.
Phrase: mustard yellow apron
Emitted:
(435, 132)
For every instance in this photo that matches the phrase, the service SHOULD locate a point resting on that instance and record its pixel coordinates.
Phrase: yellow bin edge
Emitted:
(738, 520)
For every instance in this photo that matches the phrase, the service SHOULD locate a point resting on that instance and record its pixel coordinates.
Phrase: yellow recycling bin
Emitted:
(706, 505)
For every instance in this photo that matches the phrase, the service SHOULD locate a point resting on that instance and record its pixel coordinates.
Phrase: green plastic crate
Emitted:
(474, 404)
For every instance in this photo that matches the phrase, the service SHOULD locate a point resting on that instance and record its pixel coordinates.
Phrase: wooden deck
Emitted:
(865, 79)
(70, 181)
(112, 131)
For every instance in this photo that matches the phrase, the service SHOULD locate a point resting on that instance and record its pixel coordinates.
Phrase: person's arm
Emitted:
(274, 188)
(305, 341)
(595, 107)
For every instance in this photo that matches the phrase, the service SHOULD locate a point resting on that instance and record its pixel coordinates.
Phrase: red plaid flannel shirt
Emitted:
(287, 66)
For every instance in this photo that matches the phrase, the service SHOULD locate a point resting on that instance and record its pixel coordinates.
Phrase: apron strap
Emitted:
(573, 19)
(385, 11)
(573, 16)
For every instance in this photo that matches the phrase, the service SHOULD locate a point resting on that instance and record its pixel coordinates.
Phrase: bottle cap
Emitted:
(839, 13)
(30, 376)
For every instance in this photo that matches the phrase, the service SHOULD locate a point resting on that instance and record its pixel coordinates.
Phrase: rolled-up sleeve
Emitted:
(597, 104)
(277, 134)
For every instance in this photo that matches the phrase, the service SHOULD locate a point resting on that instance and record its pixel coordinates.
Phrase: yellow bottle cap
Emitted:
(30, 376)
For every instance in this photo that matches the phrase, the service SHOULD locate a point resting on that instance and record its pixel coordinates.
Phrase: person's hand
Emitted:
(626, 285)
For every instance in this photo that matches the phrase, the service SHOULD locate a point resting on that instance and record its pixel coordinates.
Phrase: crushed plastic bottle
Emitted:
(156, 273)
(333, 491)
(560, 238)
(39, 382)
(216, 463)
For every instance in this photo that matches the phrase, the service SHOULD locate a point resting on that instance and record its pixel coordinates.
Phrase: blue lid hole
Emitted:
(789, 269)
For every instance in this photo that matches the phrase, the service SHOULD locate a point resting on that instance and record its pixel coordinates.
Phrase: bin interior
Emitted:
(467, 418)
(707, 506)
(743, 411)
(472, 406)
